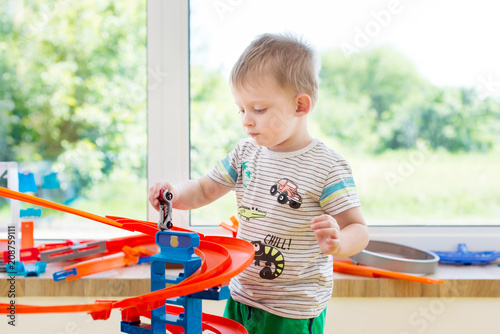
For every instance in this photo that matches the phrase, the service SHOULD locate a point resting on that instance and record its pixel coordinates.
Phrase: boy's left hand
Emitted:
(327, 232)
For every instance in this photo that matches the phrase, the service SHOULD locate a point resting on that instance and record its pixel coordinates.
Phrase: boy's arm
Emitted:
(343, 235)
(190, 194)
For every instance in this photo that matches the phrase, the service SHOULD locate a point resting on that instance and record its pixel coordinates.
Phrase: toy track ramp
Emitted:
(223, 258)
(216, 324)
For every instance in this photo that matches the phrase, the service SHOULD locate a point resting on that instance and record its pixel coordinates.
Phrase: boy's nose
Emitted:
(247, 120)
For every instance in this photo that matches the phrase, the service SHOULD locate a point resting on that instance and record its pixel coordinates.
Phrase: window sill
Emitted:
(459, 281)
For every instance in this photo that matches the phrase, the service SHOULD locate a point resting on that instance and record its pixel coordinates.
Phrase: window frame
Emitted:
(169, 139)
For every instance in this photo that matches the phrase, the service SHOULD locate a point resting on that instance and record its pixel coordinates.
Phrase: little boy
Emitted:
(297, 201)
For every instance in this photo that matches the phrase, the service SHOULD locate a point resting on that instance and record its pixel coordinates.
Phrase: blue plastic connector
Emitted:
(30, 212)
(50, 181)
(144, 259)
(27, 183)
(63, 274)
(21, 269)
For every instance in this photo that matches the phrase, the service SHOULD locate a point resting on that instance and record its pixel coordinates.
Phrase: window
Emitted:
(400, 149)
(73, 108)
(408, 104)
(409, 169)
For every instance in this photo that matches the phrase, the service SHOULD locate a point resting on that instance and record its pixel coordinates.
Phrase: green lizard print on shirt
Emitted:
(247, 213)
(272, 259)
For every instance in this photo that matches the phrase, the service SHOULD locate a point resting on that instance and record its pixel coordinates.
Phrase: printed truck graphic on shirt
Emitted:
(287, 191)
(272, 259)
(248, 213)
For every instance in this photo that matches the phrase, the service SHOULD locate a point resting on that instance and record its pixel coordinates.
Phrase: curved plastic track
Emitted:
(222, 259)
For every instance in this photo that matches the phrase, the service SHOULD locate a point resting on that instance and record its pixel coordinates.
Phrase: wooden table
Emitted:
(459, 281)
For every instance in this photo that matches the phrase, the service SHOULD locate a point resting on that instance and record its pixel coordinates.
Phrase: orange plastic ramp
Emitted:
(7, 193)
(27, 240)
(348, 267)
(75, 308)
(123, 223)
(116, 244)
(143, 226)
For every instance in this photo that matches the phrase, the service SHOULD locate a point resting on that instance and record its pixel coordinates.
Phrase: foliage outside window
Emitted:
(73, 102)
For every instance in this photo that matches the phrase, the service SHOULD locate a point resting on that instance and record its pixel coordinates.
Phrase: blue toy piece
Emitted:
(63, 274)
(464, 256)
(176, 247)
(20, 269)
(50, 181)
(27, 183)
(144, 259)
(30, 212)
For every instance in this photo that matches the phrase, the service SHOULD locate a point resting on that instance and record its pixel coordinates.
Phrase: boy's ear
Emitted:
(304, 104)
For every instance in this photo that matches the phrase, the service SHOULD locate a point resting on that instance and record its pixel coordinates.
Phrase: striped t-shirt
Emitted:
(278, 193)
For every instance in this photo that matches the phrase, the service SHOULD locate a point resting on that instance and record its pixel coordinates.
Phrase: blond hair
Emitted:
(290, 61)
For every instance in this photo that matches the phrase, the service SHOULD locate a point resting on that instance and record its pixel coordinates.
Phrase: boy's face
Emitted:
(269, 115)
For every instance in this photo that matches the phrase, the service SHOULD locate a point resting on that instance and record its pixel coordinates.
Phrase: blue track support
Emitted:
(176, 247)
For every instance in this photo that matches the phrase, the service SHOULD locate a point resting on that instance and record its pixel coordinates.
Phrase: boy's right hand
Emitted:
(154, 193)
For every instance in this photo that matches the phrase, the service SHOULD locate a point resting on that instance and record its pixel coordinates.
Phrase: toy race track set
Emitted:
(209, 263)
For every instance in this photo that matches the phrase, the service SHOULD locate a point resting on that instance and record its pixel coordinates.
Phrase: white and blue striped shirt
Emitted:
(278, 193)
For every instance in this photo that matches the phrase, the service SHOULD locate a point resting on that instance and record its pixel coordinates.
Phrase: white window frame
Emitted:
(169, 143)
(168, 100)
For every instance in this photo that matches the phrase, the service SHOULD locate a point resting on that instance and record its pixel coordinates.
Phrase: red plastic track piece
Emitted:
(44, 247)
(28, 254)
(116, 245)
(132, 314)
(103, 314)
(210, 322)
(232, 228)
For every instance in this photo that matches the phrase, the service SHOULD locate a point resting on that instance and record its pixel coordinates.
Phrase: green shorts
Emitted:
(257, 321)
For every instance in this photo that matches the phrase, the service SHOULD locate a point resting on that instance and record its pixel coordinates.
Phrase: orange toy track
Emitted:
(350, 268)
(222, 259)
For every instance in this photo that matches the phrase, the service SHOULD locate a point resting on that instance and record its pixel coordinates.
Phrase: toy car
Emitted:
(165, 222)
